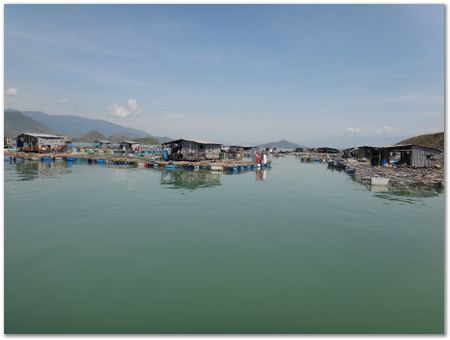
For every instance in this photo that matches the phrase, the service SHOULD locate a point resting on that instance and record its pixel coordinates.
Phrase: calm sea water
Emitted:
(298, 249)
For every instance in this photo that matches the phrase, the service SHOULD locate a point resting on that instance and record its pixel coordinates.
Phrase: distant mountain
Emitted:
(432, 140)
(91, 137)
(282, 144)
(16, 123)
(343, 142)
(77, 126)
(117, 138)
(163, 139)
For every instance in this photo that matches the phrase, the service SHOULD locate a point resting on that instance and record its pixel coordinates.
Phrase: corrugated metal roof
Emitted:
(198, 141)
(399, 146)
(129, 142)
(241, 146)
(42, 135)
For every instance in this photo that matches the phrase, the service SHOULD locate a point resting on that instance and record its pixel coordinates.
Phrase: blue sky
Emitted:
(232, 73)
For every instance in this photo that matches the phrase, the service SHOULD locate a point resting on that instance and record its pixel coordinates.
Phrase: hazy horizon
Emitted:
(236, 73)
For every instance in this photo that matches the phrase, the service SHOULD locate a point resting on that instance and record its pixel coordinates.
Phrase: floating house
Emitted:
(103, 144)
(271, 149)
(412, 155)
(193, 150)
(367, 152)
(40, 142)
(129, 145)
(150, 150)
(238, 151)
(7, 142)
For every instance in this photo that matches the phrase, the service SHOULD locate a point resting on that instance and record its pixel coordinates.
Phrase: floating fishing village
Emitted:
(398, 166)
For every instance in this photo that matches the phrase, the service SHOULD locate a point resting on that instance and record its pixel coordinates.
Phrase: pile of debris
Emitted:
(399, 177)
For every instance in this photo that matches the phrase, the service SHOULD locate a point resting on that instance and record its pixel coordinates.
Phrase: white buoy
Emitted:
(381, 181)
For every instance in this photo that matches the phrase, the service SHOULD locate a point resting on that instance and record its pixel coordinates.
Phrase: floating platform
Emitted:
(226, 166)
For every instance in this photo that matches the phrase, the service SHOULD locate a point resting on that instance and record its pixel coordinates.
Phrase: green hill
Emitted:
(433, 140)
(147, 140)
(91, 137)
(281, 144)
(16, 123)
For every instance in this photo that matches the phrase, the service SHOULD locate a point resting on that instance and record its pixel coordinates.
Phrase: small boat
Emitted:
(332, 163)
(46, 159)
(350, 171)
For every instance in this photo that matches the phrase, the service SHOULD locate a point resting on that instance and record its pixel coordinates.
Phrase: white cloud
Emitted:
(365, 131)
(384, 130)
(12, 91)
(131, 109)
(353, 130)
(174, 116)
(63, 100)
(132, 104)
(117, 110)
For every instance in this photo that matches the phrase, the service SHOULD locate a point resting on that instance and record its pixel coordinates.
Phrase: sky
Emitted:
(233, 73)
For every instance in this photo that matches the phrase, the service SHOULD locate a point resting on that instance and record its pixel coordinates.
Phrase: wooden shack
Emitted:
(40, 142)
(129, 145)
(103, 144)
(238, 151)
(366, 151)
(193, 150)
(412, 155)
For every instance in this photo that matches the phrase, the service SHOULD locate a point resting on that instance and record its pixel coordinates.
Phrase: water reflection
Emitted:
(401, 194)
(29, 170)
(410, 195)
(189, 179)
(261, 174)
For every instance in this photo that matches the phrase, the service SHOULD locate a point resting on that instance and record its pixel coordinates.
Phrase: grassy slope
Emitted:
(17, 123)
(433, 140)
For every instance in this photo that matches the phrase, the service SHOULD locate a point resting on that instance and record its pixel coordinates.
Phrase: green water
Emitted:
(91, 249)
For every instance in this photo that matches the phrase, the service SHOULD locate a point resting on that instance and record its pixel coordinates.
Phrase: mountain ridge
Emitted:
(77, 126)
(281, 144)
(15, 123)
